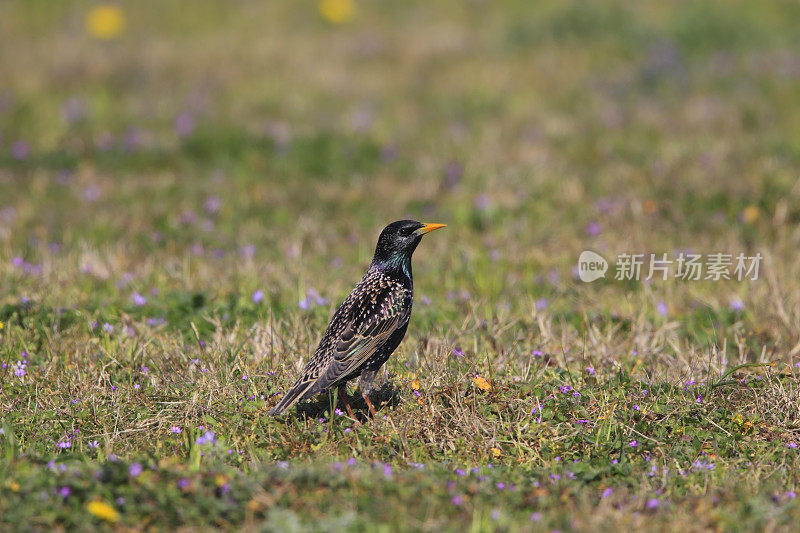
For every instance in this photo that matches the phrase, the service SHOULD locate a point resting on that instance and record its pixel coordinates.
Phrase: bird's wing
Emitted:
(363, 323)
(368, 323)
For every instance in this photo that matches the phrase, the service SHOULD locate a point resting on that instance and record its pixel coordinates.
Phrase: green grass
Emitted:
(130, 253)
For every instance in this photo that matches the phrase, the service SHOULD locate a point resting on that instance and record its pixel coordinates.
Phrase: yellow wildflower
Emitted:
(13, 485)
(415, 384)
(103, 511)
(105, 21)
(482, 383)
(750, 214)
(1, 324)
(337, 11)
(495, 452)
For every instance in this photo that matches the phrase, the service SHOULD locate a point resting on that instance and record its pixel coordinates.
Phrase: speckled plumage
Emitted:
(370, 323)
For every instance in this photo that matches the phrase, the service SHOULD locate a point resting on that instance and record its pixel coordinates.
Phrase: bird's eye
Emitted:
(405, 232)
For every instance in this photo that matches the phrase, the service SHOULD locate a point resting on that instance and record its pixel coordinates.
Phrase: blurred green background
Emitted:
(227, 148)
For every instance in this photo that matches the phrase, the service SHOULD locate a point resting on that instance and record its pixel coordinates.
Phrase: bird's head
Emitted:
(399, 239)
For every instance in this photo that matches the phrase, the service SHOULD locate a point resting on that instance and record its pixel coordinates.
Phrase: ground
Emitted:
(188, 190)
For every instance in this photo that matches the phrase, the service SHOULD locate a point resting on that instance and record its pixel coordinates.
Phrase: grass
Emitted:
(184, 205)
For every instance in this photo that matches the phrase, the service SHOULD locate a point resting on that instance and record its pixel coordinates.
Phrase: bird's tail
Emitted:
(297, 392)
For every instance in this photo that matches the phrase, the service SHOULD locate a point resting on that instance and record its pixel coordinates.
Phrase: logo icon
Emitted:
(591, 266)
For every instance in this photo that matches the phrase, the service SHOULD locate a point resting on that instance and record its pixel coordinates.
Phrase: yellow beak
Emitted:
(427, 228)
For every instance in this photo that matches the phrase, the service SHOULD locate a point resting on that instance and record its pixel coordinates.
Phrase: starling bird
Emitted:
(370, 323)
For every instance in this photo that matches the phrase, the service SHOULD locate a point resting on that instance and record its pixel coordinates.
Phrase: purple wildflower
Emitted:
(482, 202)
(184, 124)
(20, 368)
(258, 296)
(736, 305)
(212, 205)
(247, 251)
(20, 150)
(593, 229)
(135, 469)
(209, 437)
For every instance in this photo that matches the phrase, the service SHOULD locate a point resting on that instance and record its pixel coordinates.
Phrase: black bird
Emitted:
(370, 323)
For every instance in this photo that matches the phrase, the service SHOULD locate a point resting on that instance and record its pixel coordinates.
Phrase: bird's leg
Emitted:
(343, 396)
(365, 386)
(369, 404)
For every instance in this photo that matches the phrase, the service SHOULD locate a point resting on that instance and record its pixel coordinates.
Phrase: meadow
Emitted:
(187, 191)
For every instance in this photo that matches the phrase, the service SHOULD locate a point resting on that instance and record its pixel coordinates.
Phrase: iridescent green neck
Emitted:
(398, 262)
